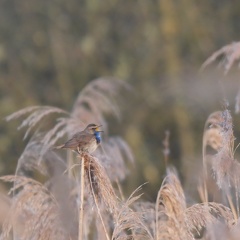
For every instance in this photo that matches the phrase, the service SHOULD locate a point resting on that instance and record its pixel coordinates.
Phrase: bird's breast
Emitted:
(92, 145)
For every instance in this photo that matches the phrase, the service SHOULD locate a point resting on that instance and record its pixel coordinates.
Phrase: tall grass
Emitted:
(80, 196)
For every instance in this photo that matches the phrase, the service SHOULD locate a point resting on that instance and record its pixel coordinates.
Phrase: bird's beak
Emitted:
(97, 128)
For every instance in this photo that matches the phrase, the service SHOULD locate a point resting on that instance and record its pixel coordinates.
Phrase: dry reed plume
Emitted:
(77, 199)
(229, 53)
(34, 212)
(175, 221)
(39, 157)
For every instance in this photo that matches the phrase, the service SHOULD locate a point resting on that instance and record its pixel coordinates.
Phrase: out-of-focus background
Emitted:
(50, 50)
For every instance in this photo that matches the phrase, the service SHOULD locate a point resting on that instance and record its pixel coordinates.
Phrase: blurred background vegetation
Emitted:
(50, 50)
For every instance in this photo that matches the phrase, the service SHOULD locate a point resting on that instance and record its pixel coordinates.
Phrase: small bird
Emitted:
(85, 141)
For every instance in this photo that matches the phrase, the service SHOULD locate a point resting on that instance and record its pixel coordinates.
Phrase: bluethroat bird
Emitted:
(85, 141)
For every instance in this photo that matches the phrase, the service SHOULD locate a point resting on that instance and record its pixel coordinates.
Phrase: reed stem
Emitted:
(80, 227)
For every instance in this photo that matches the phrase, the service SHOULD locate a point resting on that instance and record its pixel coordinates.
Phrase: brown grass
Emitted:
(229, 53)
(33, 213)
(175, 221)
(228, 56)
(74, 204)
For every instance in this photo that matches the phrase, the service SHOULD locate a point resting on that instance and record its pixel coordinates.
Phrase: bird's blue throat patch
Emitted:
(98, 136)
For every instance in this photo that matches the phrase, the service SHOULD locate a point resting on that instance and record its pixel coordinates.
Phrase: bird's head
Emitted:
(93, 128)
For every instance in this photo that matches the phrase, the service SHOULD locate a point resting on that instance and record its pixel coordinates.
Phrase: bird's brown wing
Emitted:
(79, 139)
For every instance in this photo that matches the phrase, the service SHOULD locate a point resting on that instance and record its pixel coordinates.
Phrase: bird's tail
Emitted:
(59, 147)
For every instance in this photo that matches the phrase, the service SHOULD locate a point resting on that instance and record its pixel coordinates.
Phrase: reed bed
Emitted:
(79, 196)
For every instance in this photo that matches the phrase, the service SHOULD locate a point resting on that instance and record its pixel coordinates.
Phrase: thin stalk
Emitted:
(156, 216)
(166, 148)
(80, 227)
(205, 173)
(205, 186)
(201, 193)
(236, 195)
(70, 163)
(229, 198)
(120, 189)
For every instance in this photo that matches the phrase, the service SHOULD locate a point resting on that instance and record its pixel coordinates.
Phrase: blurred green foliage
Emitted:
(49, 50)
